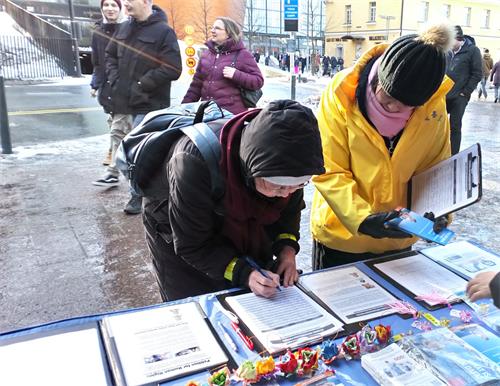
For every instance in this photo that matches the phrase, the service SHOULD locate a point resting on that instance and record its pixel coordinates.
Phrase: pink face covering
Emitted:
(387, 124)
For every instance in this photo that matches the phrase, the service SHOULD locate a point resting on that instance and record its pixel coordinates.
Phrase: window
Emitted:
(487, 16)
(446, 11)
(424, 11)
(372, 12)
(348, 14)
(468, 15)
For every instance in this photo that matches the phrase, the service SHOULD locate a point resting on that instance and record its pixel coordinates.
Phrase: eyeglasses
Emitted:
(217, 28)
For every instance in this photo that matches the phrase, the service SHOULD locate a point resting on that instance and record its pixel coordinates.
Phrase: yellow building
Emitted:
(353, 26)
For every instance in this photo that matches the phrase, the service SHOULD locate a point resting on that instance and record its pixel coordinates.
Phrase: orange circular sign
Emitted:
(189, 29)
(190, 51)
(191, 71)
(191, 62)
(189, 40)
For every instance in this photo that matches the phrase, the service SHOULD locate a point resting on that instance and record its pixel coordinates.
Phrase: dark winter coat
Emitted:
(465, 68)
(100, 38)
(186, 232)
(495, 74)
(209, 83)
(141, 62)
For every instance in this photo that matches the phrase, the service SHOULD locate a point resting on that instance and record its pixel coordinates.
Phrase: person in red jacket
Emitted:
(225, 68)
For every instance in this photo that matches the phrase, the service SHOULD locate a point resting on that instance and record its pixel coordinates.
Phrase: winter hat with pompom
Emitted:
(413, 66)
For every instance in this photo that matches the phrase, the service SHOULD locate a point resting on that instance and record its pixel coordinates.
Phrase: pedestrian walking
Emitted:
(465, 68)
(224, 69)
(495, 79)
(333, 64)
(381, 121)
(487, 66)
(141, 62)
(101, 35)
(199, 245)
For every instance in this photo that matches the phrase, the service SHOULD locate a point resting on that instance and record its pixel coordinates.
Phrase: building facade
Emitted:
(353, 26)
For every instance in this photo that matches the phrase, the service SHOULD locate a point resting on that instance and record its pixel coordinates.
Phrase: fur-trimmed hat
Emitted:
(413, 66)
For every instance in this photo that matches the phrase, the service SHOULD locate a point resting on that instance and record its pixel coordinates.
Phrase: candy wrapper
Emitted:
(220, 378)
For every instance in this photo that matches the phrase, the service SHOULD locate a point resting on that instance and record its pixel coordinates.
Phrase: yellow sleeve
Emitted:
(337, 186)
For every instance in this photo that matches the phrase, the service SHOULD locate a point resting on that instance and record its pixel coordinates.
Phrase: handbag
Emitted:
(249, 97)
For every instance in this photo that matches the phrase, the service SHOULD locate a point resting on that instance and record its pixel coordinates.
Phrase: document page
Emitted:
(422, 276)
(287, 320)
(162, 343)
(54, 358)
(349, 293)
(448, 186)
(392, 366)
(464, 257)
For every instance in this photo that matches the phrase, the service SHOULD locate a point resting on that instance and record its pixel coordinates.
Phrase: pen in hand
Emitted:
(255, 266)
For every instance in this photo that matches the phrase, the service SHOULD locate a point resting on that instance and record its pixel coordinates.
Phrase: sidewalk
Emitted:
(68, 249)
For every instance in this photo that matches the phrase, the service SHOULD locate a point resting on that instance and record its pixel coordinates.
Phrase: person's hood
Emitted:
(469, 41)
(282, 140)
(228, 46)
(487, 56)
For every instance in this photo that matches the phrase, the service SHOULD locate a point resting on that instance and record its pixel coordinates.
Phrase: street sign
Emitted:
(188, 29)
(291, 15)
(190, 51)
(191, 71)
(191, 62)
(189, 40)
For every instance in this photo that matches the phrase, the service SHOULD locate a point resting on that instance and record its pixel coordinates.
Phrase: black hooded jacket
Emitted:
(465, 68)
(185, 213)
(141, 62)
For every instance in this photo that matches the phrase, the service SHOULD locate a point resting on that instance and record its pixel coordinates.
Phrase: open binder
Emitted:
(448, 186)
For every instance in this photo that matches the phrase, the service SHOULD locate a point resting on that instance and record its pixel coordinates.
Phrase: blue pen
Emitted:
(255, 266)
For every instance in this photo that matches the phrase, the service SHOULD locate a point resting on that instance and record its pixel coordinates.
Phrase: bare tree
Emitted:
(173, 18)
(253, 23)
(202, 19)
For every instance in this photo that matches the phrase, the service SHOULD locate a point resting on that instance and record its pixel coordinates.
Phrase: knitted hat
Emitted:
(413, 66)
(118, 2)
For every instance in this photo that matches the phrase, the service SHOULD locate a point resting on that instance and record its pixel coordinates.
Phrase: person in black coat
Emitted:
(141, 62)
(101, 35)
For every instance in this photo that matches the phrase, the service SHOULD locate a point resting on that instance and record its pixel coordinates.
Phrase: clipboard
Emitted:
(448, 186)
(371, 264)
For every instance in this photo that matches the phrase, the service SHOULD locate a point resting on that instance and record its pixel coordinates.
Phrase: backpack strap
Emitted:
(235, 57)
(209, 146)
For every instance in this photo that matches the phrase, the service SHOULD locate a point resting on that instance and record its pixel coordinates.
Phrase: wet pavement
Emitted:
(67, 248)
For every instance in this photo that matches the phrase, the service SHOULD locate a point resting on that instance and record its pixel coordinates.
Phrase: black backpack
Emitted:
(144, 149)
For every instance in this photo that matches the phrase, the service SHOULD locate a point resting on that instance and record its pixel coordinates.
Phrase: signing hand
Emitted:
(228, 72)
(287, 266)
(261, 285)
(479, 286)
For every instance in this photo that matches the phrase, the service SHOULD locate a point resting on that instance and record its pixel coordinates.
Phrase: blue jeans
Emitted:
(482, 88)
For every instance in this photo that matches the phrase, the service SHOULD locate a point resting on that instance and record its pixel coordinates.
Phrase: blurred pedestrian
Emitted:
(495, 79)
(199, 245)
(225, 68)
(465, 68)
(333, 64)
(326, 65)
(102, 33)
(381, 121)
(487, 66)
(141, 61)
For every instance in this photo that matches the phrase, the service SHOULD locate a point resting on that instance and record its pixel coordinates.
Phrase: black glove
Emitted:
(439, 223)
(374, 226)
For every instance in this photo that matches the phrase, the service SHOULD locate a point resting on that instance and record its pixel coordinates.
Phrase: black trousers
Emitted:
(456, 109)
(324, 257)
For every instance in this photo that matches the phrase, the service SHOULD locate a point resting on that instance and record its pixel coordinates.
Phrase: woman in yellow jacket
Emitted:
(381, 121)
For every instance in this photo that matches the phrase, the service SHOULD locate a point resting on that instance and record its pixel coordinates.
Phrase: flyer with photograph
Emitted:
(464, 257)
(485, 310)
(481, 339)
(349, 293)
(415, 224)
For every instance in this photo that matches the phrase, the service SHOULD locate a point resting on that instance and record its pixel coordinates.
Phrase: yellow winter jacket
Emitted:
(361, 178)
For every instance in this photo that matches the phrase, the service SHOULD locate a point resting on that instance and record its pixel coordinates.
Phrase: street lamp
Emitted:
(387, 24)
(74, 39)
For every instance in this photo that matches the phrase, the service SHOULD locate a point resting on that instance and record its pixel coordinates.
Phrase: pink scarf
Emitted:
(387, 124)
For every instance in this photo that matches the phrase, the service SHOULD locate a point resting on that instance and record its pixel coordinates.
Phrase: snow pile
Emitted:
(20, 57)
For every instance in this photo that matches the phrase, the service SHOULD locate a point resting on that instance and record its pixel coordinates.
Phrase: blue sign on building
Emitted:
(291, 15)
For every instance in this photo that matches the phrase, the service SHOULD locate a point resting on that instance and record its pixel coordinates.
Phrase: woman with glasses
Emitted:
(224, 69)
(381, 121)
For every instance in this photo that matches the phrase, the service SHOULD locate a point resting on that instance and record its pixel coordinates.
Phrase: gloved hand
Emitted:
(374, 226)
(439, 223)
